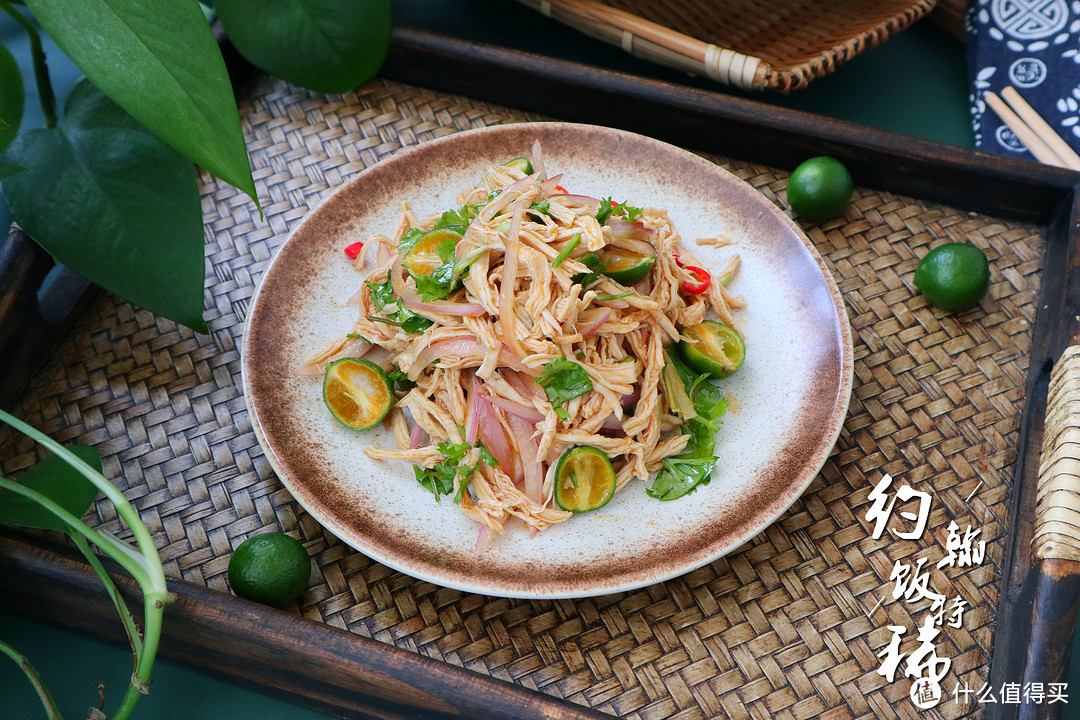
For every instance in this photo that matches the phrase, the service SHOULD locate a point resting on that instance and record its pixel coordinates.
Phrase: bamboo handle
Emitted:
(1057, 510)
(718, 63)
(1055, 544)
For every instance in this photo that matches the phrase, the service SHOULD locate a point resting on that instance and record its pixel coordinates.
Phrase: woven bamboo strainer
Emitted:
(780, 45)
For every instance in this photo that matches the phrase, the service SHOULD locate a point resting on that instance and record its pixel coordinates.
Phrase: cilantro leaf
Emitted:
(458, 219)
(400, 379)
(382, 294)
(541, 208)
(609, 207)
(409, 239)
(414, 324)
(439, 479)
(564, 380)
(486, 456)
(596, 267)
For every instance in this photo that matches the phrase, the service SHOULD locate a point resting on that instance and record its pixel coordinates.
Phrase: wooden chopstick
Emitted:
(1041, 127)
(1037, 136)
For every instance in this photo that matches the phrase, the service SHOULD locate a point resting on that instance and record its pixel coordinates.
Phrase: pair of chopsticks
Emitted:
(1045, 144)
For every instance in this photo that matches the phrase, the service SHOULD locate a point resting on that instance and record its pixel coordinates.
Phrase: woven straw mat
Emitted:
(785, 627)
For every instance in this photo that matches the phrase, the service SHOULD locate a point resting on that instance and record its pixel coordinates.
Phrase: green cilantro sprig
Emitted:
(609, 208)
(693, 467)
(439, 479)
(596, 268)
(382, 294)
(564, 380)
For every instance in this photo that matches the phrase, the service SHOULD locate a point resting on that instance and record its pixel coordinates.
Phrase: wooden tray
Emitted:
(784, 627)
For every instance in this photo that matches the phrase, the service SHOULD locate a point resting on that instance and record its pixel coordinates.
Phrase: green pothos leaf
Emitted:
(12, 96)
(57, 480)
(324, 45)
(160, 62)
(114, 204)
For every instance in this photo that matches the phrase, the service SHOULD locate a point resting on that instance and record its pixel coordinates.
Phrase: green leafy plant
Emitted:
(54, 495)
(110, 189)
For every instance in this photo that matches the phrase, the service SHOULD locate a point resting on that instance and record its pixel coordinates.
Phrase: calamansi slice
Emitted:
(584, 479)
(522, 164)
(423, 258)
(718, 352)
(358, 392)
(625, 267)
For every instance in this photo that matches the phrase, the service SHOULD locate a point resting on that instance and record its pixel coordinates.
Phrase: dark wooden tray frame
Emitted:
(337, 672)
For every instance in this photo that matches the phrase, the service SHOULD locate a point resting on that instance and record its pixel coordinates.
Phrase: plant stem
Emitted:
(142, 537)
(136, 570)
(145, 568)
(154, 597)
(51, 711)
(41, 67)
(110, 587)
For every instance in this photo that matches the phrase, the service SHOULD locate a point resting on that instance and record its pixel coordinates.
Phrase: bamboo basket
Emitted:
(780, 45)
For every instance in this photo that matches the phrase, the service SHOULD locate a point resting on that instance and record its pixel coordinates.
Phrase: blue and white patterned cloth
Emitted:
(1034, 46)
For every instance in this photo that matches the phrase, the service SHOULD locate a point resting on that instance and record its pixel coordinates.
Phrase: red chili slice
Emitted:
(561, 189)
(702, 284)
(355, 249)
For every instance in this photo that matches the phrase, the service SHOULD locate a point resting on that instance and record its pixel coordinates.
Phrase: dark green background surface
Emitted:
(915, 84)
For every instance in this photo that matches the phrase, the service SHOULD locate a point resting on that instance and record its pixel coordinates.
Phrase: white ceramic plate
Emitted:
(790, 397)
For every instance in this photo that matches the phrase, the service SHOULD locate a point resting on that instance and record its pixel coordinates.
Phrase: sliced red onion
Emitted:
(629, 400)
(522, 383)
(538, 159)
(357, 348)
(505, 197)
(611, 426)
(525, 412)
(307, 370)
(602, 317)
(354, 299)
(618, 304)
(633, 236)
(384, 253)
(415, 436)
(472, 419)
(459, 346)
(580, 200)
(491, 431)
(483, 537)
(531, 468)
(548, 186)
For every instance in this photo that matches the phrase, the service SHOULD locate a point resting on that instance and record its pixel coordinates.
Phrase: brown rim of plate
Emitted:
(297, 463)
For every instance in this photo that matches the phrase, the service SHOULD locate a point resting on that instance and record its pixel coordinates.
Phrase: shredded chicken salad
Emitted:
(534, 351)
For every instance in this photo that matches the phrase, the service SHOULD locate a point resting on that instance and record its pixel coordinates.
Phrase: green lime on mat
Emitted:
(584, 479)
(358, 392)
(272, 568)
(718, 352)
(820, 188)
(954, 276)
